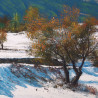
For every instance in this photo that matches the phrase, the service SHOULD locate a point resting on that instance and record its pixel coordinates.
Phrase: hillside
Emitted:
(23, 80)
(48, 7)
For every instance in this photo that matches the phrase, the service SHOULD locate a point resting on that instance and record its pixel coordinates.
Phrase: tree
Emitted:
(31, 17)
(31, 14)
(96, 59)
(2, 37)
(64, 40)
(4, 22)
(14, 23)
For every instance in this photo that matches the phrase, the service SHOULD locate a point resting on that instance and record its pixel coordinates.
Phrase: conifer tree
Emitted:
(15, 23)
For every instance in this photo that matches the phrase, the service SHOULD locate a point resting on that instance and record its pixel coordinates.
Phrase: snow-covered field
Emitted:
(26, 81)
(16, 46)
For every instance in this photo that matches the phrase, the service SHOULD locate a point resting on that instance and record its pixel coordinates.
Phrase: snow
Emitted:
(30, 92)
(4, 64)
(16, 46)
(17, 41)
(90, 77)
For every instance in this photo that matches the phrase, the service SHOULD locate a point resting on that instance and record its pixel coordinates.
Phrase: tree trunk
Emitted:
(67, 77)
(2, 46)
(66, 74)
(76, 78)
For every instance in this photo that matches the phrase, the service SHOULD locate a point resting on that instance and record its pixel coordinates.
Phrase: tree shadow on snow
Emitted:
(22, 75)
(88, 82)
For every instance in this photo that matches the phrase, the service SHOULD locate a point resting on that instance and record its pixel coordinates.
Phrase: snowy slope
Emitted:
(27, 81)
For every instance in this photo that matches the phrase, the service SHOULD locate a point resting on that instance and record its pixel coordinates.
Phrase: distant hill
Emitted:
(48, 7)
